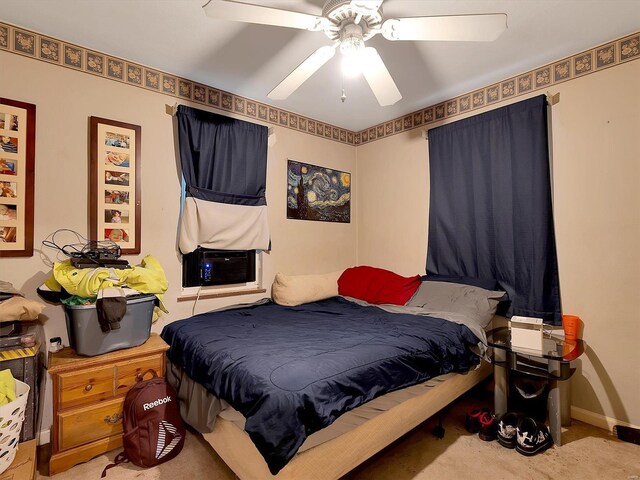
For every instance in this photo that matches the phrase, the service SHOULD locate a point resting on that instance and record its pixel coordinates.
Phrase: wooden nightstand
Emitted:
(88, 395)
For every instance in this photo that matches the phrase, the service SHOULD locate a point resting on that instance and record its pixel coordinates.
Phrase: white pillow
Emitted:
(292, 290)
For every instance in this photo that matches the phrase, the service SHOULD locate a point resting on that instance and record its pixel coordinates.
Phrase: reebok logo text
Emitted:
(157, 402)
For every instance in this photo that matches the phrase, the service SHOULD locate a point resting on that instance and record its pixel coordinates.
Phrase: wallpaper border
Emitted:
(598, 58)
(34, 45)
(31, 44)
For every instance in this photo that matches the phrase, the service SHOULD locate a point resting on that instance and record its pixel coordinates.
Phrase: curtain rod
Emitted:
(551, 100)
(173, 109)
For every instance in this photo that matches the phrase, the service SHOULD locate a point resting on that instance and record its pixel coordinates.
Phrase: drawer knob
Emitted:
(88, 388)
(113, 419)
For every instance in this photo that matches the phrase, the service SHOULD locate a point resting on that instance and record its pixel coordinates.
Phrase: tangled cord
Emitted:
(82, 248)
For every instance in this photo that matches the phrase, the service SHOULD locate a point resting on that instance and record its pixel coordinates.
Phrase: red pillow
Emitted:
(376, 285)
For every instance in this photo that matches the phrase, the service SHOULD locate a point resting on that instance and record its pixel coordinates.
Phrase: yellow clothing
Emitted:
(148, 277)
(7, 387)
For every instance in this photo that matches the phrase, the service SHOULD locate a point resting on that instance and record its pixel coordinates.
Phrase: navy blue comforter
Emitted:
(292, 371)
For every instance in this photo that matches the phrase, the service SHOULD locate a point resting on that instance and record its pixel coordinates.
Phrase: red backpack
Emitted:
(153, 432)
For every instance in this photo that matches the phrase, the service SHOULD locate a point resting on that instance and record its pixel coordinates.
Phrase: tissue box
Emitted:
(526, 332)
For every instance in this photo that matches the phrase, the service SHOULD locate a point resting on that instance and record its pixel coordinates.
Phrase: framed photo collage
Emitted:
(114, 183)
(17, 160)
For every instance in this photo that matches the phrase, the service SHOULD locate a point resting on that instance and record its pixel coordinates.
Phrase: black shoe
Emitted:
(487, 427)
(472, 419)
(507, 427)
(532, 437)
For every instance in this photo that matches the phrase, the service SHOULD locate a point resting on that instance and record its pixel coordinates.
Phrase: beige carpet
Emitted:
(587, 453)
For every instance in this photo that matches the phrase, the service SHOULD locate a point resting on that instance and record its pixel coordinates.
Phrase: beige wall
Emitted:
(65, 99)
(393, 203)
(596, 142)
(596, 173)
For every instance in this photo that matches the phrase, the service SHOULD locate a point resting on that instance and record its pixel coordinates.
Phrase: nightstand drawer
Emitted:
(84, 425)
(127, 373)
(86, 387)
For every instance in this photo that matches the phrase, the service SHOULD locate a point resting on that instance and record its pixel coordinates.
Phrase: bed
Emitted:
(333, 458)
(310, 392)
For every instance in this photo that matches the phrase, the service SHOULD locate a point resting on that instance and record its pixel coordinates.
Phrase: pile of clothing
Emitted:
(13, 305)
(107, 288)
(7, 387)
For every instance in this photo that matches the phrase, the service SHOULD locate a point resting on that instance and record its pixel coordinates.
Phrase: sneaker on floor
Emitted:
(487, 427)
(507, 427)
(532, 437)
(472, 419)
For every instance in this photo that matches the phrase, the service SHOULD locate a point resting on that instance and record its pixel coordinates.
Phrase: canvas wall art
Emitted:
(318, 193)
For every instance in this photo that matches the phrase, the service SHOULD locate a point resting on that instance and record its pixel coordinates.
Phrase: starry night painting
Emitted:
(318, 193)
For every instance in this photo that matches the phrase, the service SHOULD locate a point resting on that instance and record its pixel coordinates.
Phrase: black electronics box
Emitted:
(206, 267)
(14, 334)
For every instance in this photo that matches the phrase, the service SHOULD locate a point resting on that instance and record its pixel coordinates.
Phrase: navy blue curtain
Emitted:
(490, 213)
(223, 159)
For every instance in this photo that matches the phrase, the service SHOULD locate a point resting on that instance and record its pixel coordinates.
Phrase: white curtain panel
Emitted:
(223, 226)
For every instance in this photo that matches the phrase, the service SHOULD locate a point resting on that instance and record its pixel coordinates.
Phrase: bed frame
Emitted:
(334, 458)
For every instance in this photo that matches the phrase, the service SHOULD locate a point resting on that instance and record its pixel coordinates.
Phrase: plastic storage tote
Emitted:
(11, 420)
(87, 338)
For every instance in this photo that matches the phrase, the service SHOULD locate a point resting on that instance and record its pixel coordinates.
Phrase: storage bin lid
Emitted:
(131, 300)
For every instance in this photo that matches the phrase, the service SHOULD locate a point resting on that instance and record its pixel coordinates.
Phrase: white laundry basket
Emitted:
(11, 420)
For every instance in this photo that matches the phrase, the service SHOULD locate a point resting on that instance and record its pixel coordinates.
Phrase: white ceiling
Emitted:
(176, 36)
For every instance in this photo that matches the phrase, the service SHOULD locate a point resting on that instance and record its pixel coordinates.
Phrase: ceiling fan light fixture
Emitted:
(352, 65)
(349, 24)
(351, 47)
(351, 40)
(341, 13)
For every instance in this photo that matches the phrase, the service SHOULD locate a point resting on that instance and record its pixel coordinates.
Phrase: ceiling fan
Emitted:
(350, 23)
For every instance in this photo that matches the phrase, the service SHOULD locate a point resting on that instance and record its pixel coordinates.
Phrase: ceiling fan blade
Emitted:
(451, 28)
(249, 13)
(302, 72)
(379, 78)
(364, 6)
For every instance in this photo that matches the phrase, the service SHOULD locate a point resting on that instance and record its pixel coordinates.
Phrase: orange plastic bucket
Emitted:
(571, 324)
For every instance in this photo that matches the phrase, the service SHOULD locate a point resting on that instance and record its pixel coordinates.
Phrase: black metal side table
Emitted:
(552, 363)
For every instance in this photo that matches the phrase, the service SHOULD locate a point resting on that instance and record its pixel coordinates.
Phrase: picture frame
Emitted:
(17, 176)
(317, 193)
(115, 201)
